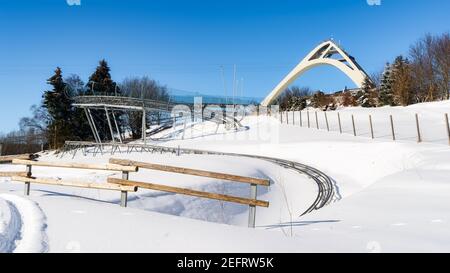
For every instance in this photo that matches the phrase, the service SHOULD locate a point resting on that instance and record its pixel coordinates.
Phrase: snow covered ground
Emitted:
(395, 195)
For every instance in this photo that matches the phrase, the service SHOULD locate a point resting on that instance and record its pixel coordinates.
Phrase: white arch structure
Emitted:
(327, 53)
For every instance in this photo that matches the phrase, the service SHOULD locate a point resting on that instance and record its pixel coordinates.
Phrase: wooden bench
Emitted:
(252, 202)
(27, 177)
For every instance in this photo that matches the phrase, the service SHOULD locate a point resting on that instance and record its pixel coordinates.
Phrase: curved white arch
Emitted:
(323, 54)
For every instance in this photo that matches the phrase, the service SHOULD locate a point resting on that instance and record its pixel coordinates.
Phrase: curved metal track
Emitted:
(327, 191)
(325, 184)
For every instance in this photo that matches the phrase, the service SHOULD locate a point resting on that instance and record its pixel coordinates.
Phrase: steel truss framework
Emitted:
(112, 104)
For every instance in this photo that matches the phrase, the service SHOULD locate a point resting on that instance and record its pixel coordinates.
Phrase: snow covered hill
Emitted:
(393, 195)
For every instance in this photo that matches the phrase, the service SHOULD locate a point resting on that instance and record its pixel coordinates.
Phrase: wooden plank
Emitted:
(77, 184)
(215, 196)
(202, 173)
(10, 158)
(11, 174)
(107, 167)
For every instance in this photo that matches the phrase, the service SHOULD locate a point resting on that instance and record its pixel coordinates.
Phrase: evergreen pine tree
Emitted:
(386, 96)
(101, 83)
(59, 108)
(365, 96)
(81, 129)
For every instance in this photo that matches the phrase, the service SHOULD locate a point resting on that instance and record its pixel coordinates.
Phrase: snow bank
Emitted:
(23, 225)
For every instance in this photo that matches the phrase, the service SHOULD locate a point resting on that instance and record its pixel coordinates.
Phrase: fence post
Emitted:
(301, 121)
(448, 127)
(293, 117)
(252, 208)
(287, 117)
(317, 121)
(326, 120)
(124, 194)
(392, 127)
(353, 123)
(178, 150)
(339, 121)
(371, 126)
(27, 184)
(309, 123)
(419, 136)
(281, 117)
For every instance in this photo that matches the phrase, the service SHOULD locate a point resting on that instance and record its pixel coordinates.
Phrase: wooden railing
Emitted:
(11, 174)
(28, 178)
(10, 158)
(195, 172)
(124, 185)
(252, 202)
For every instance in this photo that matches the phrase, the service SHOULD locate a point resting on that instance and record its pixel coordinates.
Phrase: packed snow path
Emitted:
(22, 225)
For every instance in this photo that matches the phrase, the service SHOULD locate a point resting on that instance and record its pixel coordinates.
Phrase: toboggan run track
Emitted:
(327, 189)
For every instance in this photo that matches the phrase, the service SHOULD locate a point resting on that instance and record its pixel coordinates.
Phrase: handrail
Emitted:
(57, 182)
(107, 167)
(187, 171)
(184, 191)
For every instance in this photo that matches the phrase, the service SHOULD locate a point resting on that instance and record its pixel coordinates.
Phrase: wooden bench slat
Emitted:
(202, 173)
(215, 196)
(9, 158)
(107, 167)
(11, 174)
(56, 182)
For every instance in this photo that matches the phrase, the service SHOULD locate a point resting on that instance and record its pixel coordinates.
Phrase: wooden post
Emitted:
(309, 123)
(287, 117)
(326, 120)
(27, 184)
(419, 136)
(317, 121)
(392, 127)
(1, 149)
(124, 194)
(281, 117)
(301, 120)
(293, 117)
(371, 126)
(448, 128)
(354, 127)
(252, 208)
(339, 121)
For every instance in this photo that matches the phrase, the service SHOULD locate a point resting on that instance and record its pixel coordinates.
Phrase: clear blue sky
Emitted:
(183, 43)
